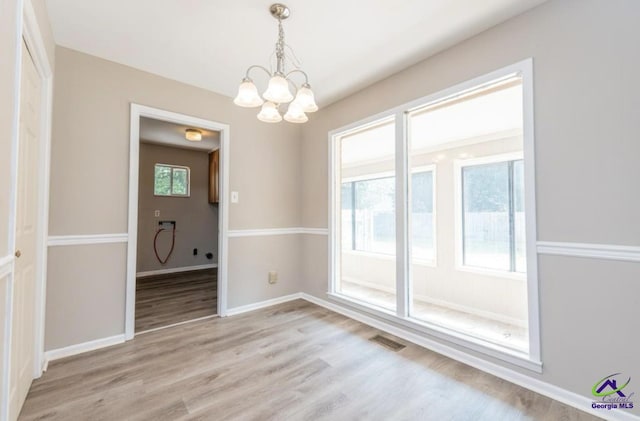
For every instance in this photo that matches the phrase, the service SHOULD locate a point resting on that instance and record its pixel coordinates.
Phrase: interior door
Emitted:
(23, 326)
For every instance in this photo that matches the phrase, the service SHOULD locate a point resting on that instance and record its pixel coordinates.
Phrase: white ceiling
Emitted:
(343, 45)
(171, 134)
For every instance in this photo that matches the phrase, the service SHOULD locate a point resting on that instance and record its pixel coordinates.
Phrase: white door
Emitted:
(23, 327)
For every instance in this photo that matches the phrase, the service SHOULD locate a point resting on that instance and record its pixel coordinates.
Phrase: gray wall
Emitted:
(90, 148)
(586, 60)
(196, 219)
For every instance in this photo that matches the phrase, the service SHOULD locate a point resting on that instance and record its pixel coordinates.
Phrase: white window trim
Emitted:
(171, 194)
(458, 165)
(434, 169)
(523, 68)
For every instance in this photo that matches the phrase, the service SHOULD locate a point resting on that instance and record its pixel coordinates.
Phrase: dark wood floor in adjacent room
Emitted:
(294, 361)
(163, 300)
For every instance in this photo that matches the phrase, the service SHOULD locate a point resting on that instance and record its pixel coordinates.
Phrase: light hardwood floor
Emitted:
(294, 361)
(163, 300)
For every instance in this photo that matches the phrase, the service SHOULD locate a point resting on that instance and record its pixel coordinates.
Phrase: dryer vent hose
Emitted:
(173, 243)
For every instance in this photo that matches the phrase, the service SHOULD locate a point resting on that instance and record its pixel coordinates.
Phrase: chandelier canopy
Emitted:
(278, 92)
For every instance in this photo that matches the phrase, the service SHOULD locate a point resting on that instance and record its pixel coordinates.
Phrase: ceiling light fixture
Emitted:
(278, 92)
(193, 135)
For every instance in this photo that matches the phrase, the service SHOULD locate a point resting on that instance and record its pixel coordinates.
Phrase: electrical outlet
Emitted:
(156, 213)
(273, 277)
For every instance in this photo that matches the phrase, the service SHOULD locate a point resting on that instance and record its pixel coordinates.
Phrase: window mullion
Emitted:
(353, 215)
(512, 229)
(171, 182)
(402, 216)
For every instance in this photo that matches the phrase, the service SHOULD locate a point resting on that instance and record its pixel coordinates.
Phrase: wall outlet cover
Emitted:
(273, 277)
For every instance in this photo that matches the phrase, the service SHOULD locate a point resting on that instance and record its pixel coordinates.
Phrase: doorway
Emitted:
(176, 265)
(177, 259)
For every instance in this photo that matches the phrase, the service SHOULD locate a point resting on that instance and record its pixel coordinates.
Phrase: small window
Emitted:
(171, 180)
(493, 234)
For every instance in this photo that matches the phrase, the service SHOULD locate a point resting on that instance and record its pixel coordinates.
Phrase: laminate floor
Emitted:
(163, 300)
(293, 361)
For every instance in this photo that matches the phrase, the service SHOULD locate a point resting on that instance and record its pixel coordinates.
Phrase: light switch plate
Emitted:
(235, 197)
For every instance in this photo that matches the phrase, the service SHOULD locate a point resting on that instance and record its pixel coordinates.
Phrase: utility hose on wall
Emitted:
(173, 243)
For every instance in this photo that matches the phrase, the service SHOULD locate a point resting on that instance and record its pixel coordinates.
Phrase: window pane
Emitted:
(180, 182)
(347, 216)
(162, 181)
(375, 215)
(367, 205)
(422, 216)
(473, 126)
(486, 216)
(519, 221)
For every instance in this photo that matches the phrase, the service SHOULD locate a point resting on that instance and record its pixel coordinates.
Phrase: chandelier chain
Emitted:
(280, 48)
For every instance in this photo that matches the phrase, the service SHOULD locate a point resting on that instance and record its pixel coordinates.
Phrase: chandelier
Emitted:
(278, 92)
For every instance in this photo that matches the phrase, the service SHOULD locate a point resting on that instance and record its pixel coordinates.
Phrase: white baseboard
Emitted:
(262, 304)
(554, 392)
(56, 354)
(175, 270)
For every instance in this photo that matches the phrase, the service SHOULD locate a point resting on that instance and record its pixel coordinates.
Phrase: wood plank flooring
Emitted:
(294, 361)
(163, 300)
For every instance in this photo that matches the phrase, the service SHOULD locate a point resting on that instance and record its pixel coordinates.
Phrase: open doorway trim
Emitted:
(138, 111)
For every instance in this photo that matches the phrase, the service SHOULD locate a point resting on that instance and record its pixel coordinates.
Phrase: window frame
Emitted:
(434, 197)
(531, 359)
(458, 166)
(173, 168)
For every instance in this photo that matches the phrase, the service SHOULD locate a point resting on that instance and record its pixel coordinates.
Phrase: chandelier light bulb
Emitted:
(248, 95)
(306, 99)
(269, 113)
(278, 90)
(295, 114)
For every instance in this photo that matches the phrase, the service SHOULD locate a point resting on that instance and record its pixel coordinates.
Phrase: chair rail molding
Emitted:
(590, 250)
(261, 232)
(86, 239)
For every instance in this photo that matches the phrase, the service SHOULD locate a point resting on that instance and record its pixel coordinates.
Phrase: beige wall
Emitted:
(85, 298)
(251, 259)
(89, 186)
(586, 58)
(196, 218)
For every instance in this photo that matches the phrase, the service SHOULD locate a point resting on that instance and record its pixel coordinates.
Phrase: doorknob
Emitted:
(18, 253)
